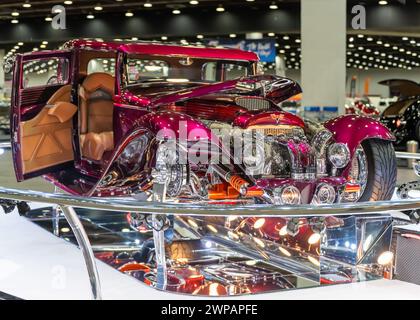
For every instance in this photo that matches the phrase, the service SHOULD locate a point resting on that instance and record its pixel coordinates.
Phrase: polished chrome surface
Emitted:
(190, 209)
(85, 246)
(407, 155)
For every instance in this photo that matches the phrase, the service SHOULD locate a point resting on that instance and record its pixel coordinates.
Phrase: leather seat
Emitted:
(96, 115)
(96, 144)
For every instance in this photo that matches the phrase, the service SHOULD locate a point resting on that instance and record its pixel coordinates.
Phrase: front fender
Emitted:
(173, 125)
(354, 129)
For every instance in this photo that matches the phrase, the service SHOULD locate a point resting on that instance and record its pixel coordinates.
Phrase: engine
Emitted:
(273, 156)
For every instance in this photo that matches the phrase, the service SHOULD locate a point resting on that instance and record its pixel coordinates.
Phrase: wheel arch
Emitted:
(352, 130)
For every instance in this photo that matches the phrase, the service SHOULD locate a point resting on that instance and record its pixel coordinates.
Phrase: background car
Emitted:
(403, 116)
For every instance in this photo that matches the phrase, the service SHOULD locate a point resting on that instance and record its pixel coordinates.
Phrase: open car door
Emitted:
(42, 113)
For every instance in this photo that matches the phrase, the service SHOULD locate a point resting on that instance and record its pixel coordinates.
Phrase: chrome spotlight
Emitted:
(339, 155)
(287, 195)
(324, 194)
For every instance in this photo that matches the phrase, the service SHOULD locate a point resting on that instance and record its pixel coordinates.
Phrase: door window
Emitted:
(45, 72)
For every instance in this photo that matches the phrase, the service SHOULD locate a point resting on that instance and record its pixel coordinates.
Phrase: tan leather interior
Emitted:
(46, 140)
(62, 94)
(96, 115)
(95, 144)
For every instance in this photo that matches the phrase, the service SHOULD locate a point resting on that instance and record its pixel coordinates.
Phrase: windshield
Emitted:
(144, 71)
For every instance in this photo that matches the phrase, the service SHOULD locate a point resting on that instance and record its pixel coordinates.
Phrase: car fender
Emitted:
(174, 125)
(352, 130)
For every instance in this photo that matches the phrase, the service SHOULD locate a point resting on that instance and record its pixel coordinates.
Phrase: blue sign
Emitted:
(265, 48)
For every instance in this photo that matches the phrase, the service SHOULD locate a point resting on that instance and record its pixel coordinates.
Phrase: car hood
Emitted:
(276, 89)
(402, 88)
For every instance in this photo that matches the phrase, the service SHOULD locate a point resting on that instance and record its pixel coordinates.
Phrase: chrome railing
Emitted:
(188, 209)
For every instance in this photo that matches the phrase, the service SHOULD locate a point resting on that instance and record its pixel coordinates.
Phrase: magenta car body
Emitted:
(94, 133)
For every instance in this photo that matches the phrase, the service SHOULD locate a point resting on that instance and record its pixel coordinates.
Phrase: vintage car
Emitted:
(185, 123)
(403, 116)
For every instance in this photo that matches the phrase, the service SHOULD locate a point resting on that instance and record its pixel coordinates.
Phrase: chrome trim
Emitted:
(84, 244)
(192, 209)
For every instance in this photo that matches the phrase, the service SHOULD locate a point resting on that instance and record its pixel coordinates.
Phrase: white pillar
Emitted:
(1, 73)
(324, 52)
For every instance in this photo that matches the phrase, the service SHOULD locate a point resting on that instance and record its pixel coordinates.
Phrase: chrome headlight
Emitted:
(287, 195)
(339, 155)
(324, 194)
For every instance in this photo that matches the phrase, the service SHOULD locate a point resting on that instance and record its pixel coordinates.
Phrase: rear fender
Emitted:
(352, 130)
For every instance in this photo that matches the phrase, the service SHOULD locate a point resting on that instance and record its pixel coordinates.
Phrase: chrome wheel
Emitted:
(358, 174)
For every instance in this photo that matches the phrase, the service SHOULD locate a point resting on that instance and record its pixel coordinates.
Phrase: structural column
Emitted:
(324, 52)
(1, 72)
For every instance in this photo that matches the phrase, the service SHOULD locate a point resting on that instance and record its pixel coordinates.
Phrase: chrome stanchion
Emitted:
(85, 246)
(158, 222)
(56, 213)
(412, 147)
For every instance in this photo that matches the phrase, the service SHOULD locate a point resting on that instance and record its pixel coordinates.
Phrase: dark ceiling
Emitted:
(42, 8)
(368, 50)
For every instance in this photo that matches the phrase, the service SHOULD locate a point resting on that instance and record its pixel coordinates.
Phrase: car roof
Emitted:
(157, 48)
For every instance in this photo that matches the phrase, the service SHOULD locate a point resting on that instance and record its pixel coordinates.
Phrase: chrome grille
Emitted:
(253, 104)
(279, 130)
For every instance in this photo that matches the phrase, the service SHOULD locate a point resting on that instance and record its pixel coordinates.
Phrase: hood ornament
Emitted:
(277, 117)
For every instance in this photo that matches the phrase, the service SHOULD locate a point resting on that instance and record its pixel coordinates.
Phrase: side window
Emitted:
(45, 72)
(102, 65)
(219, 71)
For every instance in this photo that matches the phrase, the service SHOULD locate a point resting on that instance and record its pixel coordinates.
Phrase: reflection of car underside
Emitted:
(220, 256)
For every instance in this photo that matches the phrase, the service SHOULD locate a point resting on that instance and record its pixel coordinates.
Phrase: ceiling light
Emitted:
(14, 21)
(383, 2)
(286, 38)
(194, 2)
(273, 6)
(20, 43)
(26, 5)
(68, 2)
(98, 7)
(200, 36)
(164, 38)
(271, 34)
(405, 38)
(42, 46)
(15, 14)
(48, 18)
(298, 41)
(129, 14)
(232, 35)
(90, 16)
(369, 39)
(148, 5)
(250, 0)
(220, 9)
(44, 42)
(176, 11)
(57, 10)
